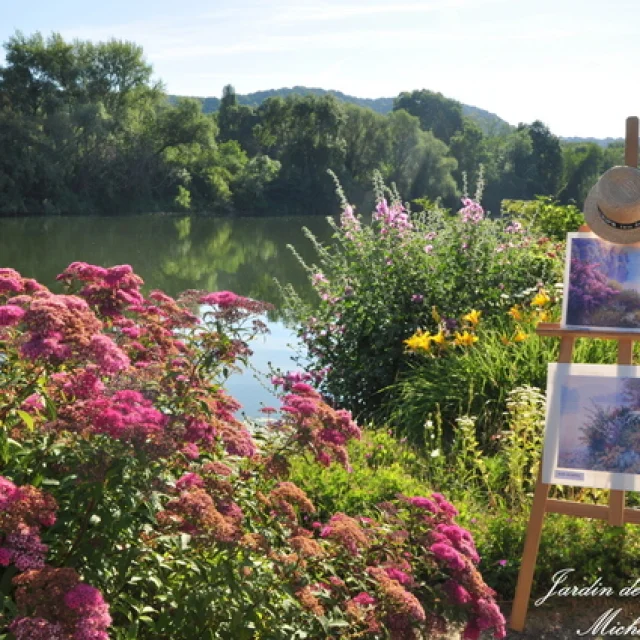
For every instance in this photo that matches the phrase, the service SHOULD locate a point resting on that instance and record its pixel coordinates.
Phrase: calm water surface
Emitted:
(176, 253)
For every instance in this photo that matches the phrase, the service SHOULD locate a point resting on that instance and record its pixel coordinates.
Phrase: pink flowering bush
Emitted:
(134, 503)
(379, 282)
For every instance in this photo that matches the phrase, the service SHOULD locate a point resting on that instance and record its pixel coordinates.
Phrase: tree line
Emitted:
(84, 129)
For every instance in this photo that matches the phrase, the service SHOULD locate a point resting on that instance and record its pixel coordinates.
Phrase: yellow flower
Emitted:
(419, 341)
(434, 314)
(541, 299)
(465, 339)
(544, 316)
(514, 312)
(473, 317)
(520, 336)
(440, 339)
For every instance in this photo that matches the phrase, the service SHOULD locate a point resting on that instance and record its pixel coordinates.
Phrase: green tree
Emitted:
(582, 167)
(419, 164)
(306, 136)
(436, 113)
(547, 157)
(468, 148)
(236, 121)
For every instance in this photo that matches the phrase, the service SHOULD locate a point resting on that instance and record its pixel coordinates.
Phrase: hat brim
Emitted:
(601, 228)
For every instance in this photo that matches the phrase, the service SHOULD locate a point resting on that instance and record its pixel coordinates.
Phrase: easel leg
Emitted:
(531, 545)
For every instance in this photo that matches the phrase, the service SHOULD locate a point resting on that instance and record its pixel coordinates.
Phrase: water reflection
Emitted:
(177, 253)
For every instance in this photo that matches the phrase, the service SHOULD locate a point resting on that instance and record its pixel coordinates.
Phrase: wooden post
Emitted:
(631, 142)
(534, 530)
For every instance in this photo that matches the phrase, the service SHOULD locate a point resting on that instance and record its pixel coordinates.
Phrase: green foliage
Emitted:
(378, 284)
(442, 116)
(545, 216)
(382, 468)
(591, 547)
(84, 129)
(183, 199)
(476, 381)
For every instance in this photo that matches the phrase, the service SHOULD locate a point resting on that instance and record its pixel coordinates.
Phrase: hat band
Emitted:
(618, 225)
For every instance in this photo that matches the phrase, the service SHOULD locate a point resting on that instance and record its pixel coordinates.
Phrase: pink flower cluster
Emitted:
(317, 426)
(347, 532)
(62, 607)
(125, 415)
(231, 307)
(12, 283)
(394, 217)
(471, 211)
(200, 515)
(57, 327)
(65, 608)
(349, 223)
(23, 511)
(110, 290)
(92, 612)
(402, 609)
(453, 547)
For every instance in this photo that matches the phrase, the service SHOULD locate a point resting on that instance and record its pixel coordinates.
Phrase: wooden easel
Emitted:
(615, 512)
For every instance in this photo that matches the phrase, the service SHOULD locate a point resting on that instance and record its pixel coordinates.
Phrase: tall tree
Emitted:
(469, 149)
(236, 121)
(419, 163)
(306, 136)
(547, 157)
(437, 114)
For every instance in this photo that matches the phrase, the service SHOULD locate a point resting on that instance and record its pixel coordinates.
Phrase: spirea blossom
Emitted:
(10, 315)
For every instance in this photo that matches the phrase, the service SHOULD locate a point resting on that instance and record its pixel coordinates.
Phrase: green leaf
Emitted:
(27, 418)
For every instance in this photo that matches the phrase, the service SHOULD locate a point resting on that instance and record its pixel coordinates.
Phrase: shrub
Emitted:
(545, 216)
(174, 518)
(382, 469)
(378, 283)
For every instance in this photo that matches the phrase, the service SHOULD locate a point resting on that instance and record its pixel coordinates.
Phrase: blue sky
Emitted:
(570, 63)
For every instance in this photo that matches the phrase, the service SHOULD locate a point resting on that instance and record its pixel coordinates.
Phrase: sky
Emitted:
(570, 63)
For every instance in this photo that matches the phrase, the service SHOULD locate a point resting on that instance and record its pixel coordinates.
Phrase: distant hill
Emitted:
(603, 142)
(487, 121)
(490, 123)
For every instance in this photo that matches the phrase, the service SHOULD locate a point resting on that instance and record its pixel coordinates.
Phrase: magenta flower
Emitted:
(188, 481)
(223, 299)
(10, 315)
(448, 555)
(364, 599)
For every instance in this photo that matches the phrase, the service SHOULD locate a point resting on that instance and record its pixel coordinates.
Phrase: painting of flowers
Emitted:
(602, 284)
(593, 426)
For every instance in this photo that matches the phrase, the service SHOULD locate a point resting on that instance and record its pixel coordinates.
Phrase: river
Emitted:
(174, 253)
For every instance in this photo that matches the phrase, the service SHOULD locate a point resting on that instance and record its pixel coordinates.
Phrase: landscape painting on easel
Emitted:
(592, 436)
(601, 284)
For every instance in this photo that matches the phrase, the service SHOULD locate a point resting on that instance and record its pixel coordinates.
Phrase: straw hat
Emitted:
(612, 208)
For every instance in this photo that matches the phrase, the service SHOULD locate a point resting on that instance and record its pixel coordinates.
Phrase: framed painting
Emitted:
(592, 431)
(601, 285)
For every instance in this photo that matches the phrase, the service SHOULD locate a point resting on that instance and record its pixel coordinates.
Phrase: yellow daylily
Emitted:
(514, 312)
(520, 336)
(473, 317)
(419, 341)
(544, 316)
(541, 299)
(434, 314)
(465, 339)
(440, 339)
